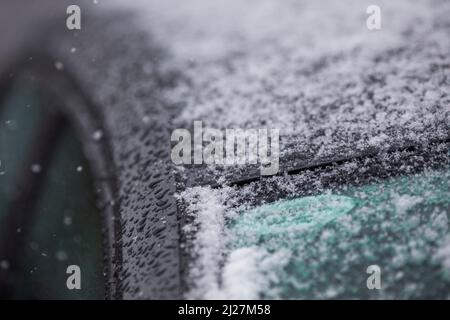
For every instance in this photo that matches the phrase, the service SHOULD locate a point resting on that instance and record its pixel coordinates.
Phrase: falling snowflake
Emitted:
(36, 168)
(97, 135)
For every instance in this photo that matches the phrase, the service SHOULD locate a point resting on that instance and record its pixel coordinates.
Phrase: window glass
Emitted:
(328, 241)
(59, 222)
(20, 114)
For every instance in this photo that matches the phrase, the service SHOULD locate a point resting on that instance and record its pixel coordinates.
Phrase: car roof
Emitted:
(334, 89)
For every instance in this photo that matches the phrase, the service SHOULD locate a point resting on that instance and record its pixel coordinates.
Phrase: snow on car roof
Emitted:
(311, 69)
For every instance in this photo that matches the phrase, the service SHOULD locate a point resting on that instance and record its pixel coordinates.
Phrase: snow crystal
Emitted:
(36, 168)
(146, 119)
(405, 202)
(4, 265)
(61, 255)
(59, 65)
(97, 135)
(67, 221)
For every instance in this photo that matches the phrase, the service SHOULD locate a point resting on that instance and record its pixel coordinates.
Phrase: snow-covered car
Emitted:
(358, 208)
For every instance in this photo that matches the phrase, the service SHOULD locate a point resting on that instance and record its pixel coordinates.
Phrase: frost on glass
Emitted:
(319, 246)
(332, 238)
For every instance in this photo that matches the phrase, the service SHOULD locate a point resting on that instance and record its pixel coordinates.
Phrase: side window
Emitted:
(48, 215)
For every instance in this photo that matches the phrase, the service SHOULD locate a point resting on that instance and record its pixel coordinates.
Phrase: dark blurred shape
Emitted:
(48, 214)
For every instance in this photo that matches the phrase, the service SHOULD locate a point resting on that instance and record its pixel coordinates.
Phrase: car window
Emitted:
(48, 214)
(20, 117)
(322, 233)
(330, 239)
